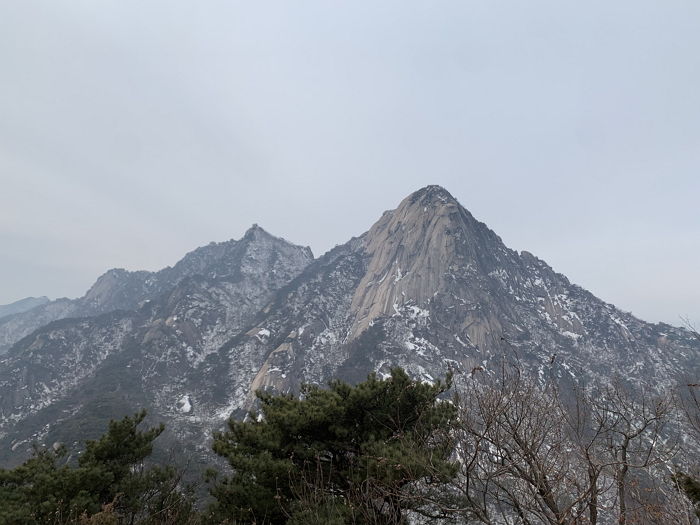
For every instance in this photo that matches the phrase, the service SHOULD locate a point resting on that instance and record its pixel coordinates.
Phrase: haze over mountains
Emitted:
(428, 287)
(22, 305)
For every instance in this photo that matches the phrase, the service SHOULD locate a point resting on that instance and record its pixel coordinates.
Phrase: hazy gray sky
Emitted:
(132, 131)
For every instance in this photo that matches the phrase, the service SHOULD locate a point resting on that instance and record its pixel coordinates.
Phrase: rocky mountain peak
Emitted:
(258, 238)
(105, 280)
(428, 288)
(255, 231)
(113, 289)
(432, 194)
(412, 250)
(257, 253)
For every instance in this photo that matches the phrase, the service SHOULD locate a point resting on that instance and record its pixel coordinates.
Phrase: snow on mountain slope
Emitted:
(428, 287)
(130, 358)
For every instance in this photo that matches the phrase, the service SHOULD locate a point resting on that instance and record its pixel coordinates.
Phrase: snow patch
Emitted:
(184, 405)
(619, 322)
(416, 312)
(570, 335)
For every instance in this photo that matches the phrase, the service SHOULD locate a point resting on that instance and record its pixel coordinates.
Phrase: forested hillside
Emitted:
(393, 451)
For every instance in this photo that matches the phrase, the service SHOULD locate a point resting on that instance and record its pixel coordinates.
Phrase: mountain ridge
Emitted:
(120, 289)
(22, 305)
(428, 287)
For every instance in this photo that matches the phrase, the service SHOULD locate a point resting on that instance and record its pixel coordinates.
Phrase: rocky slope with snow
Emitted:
(119, 289)
(428, 287)
(69, 376)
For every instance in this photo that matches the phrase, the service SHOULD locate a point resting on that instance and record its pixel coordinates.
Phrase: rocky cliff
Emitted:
(428, 287)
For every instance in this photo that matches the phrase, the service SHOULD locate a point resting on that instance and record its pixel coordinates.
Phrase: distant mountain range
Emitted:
(428, 288)
(22, 305)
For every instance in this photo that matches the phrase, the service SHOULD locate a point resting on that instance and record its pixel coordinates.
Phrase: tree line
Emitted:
(505, 450)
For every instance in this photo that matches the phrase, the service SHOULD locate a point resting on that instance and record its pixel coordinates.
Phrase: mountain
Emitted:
(119, 289)
(81, 371)
(428, 287)
(22, 305)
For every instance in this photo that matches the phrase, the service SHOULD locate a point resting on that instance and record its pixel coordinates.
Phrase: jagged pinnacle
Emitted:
(431, 194)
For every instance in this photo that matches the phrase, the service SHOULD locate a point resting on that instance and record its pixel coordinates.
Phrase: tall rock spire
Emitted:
(412, 251)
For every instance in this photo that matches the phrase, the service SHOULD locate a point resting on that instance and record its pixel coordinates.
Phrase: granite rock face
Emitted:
(428, 287)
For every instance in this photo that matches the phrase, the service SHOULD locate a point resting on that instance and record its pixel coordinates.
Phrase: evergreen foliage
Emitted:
(110, 483)
(691, 488)
(346, 454)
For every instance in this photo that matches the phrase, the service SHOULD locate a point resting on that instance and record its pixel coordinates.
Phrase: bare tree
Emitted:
(530, 454)
(633, 424)
(587, 437)
(519, 461)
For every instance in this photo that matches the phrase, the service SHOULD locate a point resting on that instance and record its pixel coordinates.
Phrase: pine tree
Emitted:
(691, 487)
(110, 474)
(346, 454)
(111, 468)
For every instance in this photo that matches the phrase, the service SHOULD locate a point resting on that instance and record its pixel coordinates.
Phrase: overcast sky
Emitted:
(134, 131)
